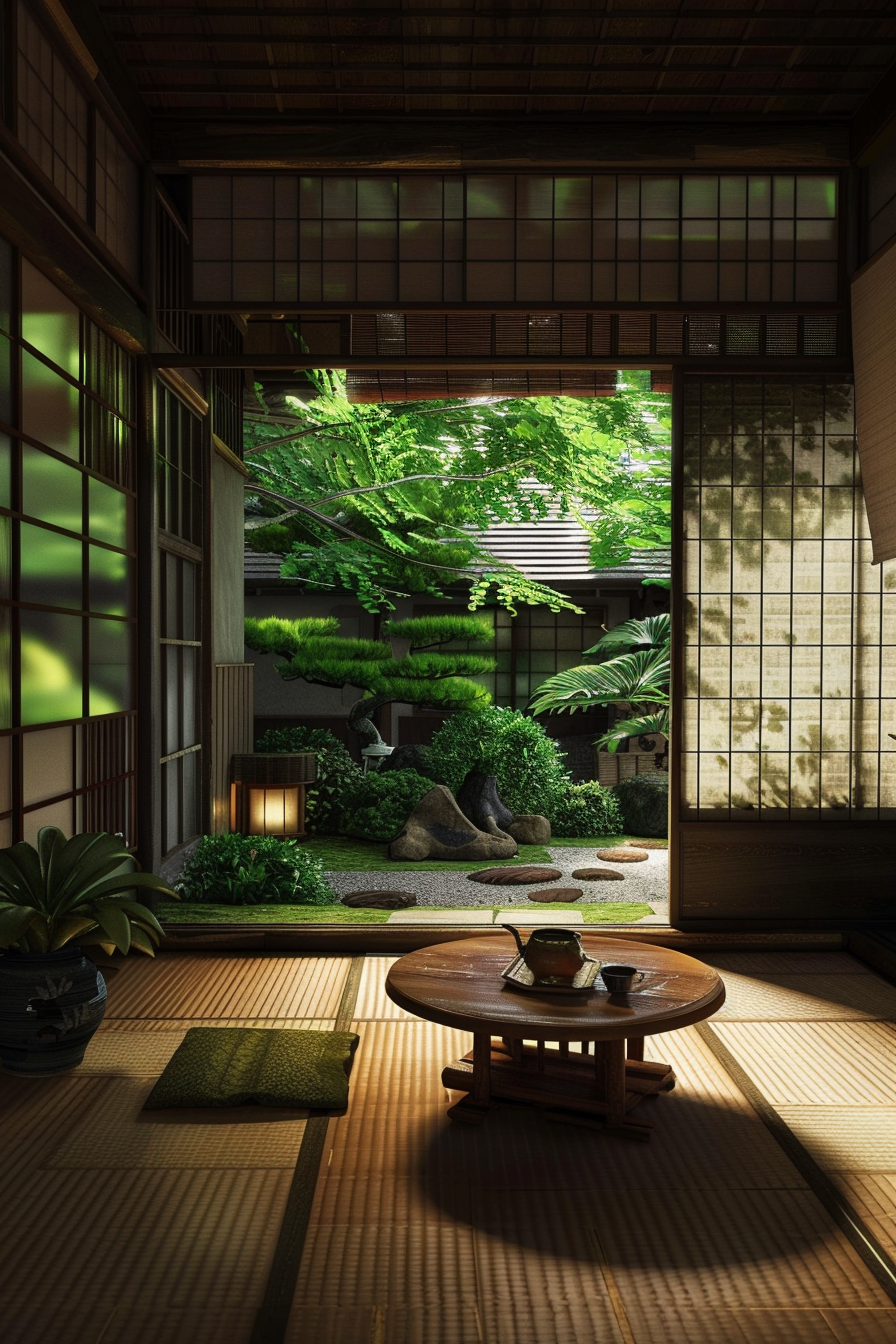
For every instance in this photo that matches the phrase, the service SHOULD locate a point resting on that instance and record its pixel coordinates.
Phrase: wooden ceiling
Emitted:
(504, 60)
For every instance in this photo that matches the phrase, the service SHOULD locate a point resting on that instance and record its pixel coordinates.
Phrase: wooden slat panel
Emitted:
(232, 723)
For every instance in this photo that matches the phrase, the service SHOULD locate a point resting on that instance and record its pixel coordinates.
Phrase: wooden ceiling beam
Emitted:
(473, 143)
(469, 90)
(499, 67)
(439, 14)
(694, 43)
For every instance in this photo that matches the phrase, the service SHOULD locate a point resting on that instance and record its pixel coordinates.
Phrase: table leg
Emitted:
(609, 1069)
(482, 1070)
(634, 1048)
(473, 1108)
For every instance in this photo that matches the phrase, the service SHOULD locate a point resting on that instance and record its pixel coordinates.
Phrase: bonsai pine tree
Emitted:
(312, 650)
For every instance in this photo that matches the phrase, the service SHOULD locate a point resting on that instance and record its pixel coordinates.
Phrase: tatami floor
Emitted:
(390, 1225)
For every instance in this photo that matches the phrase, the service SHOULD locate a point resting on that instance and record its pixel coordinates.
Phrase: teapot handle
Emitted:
(519, 941)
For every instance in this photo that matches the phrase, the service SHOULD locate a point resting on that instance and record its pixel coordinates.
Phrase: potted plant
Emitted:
(52, 896)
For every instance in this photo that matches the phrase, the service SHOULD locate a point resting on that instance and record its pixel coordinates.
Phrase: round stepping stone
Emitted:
(379, 900)
(598, 875)
(653, 844)
(516, 877)
(556, 894)
(622, 855)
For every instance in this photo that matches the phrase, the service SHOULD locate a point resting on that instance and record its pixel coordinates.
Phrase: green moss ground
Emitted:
(182, 912)
(185, 912)
(340, 855)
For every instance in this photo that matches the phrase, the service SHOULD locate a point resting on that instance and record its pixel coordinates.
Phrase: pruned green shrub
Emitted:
(378, 805)
(508, 744)
(644, 804)
(586, 809)
(336, 771)
(253, 870)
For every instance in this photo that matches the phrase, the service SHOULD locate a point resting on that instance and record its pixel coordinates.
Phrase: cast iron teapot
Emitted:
(551, 954)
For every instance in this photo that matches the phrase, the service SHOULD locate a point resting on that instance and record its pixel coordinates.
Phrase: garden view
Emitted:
(380, 502)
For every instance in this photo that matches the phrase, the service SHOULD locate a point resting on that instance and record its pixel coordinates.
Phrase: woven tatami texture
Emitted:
(137, 1050)
(795, 997)
(139, 1240)
(424, 1232)
(816, 1063)
(124, 1024)
(846, 1138)
(785, 963)
(708, 1234)
(207, 985)
(374, 1003)
(873, 1196)
(161, 1228)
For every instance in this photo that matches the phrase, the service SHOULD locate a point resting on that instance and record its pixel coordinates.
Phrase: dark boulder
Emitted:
(478, 799)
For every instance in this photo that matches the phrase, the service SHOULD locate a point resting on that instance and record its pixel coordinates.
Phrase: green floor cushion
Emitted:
(273, 1066)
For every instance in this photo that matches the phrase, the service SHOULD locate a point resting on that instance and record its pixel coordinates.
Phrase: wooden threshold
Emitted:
(383, 938)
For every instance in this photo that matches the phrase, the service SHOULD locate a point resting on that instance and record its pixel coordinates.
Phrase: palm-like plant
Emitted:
(78, 890)
(636, 680)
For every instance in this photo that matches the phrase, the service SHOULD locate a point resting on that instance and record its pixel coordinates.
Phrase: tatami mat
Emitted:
(374, 1003)
(118, 1134)
(806, 997)
(416, 1054)
(519, 1231)
(846, 1138)
(873, 1196)
(785, 963)
(448, 1322)
(135, 1240)
(411, 1264)
(862, 1327)
(36, 1116)
(138, 1053)
(121, 1025)
(820, 1063)
(207, 984)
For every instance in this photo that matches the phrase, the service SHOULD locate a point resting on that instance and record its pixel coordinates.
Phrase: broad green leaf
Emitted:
(113, 922)
(14, 922)
(69, 930)
(21, 878)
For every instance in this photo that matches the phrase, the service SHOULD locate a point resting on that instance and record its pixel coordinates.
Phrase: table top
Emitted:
(459, 985)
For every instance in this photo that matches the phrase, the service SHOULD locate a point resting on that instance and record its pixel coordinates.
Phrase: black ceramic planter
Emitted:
(51, 1003)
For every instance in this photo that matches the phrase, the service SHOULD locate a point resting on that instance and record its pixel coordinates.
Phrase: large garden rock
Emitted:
(379, 900)
(437, 829)
(515, 877)
(528, 828)
(478, 799)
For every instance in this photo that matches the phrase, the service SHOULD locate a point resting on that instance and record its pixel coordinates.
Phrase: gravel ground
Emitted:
(647, 881)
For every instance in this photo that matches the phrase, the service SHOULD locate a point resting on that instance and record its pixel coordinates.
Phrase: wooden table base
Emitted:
(575, 1087)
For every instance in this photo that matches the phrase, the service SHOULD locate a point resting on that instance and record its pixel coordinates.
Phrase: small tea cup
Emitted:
(620, 979)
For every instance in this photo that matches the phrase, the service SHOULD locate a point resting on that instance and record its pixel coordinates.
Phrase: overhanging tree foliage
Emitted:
(385, 500)
(313, 650)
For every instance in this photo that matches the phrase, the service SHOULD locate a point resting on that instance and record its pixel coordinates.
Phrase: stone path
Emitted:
(473, 903)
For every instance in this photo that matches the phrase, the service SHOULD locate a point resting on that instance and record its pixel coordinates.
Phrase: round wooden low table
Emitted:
(459, 984)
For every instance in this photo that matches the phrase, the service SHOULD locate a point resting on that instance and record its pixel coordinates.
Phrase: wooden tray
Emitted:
(519, 976)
